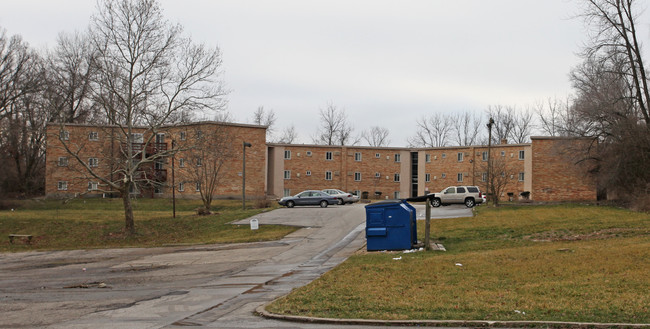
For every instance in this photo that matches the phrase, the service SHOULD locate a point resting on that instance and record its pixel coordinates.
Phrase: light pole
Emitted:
(489, 159)
(173, 181)
(243, 183)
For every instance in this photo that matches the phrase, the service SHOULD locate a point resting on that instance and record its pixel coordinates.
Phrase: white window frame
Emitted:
(199, 162)
(93, 186)
(444, 175)
(287, 174)
(521, 176)
(181, 162)
(287, 154)
(396, 177)
(62, 185)
(63, 162)
(398, 157)
(159, 164)
(396, 195)
(503, 153)
(64, 135)
(484, 155)
(522, 155)
(328, 156)
(459, 177)
(183, 136)
(287, 192)
(484, 177)
(328, 175)
(93, 136)
(357, 156)
(427, 157)
(308, 153)
(308, 173)
(444, 155)
(377, 155)
(377, 175)
(461, 156)
(427, 177)
(198, 187)
(181, 187)
(357, 176)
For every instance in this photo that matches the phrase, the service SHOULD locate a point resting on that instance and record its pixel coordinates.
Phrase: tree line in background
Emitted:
(104, 76)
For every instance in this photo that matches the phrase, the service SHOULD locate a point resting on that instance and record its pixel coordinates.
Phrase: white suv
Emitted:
(469, 195)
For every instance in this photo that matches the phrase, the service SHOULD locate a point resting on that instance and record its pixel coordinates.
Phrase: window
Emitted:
(427, 177)
(357, 156)
(521, 155)
(198, 186)
(157, 190)
(396, 195)
(328, 175)
(443, 175)
(503, 153)
(377, 175)
(308, 153)
(183, 136)
(93, 136)
(158, 164)
(287, 154)
(484, 177)
(357, 192)
(62, 185)
(199, 162)
(377, 155)
(444, 155)
(93, 162)
(485, 155)
(199, 134)
(328, 155)
(460, 156)
(460, 177)
(181, 187)
(287, 174)
(92, 186)
(181, 162)
(63, 161)
(160, 138)
(357, 176)
(137, 138)
(427, 157)
(308, 173)
(64, 135)
(287, 192)
(397, 177)
(521, 177)
(397, 157)
(460, 190)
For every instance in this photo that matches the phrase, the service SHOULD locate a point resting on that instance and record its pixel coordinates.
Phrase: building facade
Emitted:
(543, 168)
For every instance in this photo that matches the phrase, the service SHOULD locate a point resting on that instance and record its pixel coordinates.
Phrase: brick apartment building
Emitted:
(541, 167)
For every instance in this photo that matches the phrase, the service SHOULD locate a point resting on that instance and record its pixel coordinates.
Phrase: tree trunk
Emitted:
(129, 226)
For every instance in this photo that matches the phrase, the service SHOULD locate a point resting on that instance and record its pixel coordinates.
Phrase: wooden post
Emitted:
(427, 226)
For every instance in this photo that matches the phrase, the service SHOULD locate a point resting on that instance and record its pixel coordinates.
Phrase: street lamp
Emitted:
(243, 183)
(489, 159)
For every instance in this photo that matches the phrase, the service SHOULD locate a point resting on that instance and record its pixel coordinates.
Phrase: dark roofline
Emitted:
(233, 124)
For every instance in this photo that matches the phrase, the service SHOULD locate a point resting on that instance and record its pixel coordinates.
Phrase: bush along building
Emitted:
(207, 157)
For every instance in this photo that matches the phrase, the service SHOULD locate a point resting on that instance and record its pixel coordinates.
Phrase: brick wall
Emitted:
(555, 175)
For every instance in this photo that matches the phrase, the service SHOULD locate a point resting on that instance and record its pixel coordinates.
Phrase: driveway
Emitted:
(213, 286)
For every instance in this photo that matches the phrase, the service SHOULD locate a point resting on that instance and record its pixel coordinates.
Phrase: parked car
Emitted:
(309, 198)
(343, 197)
(469, 195)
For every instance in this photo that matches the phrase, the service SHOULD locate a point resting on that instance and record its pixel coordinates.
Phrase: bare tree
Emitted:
(334, 129)
(265, 118)
(500, 175)
(504, 122)
(522, 126)
(207, 154)
(147, 75)
(612, 95)
(466, 129)
(289, 135)
(376, 136)
(16, 64)
(70, 69)
(554, 116)
(432, 131)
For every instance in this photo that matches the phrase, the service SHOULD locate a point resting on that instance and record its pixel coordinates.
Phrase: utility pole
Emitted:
(489, 125)
(173, 181)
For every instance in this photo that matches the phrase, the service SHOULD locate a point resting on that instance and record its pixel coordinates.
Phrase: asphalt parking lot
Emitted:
(215, 286)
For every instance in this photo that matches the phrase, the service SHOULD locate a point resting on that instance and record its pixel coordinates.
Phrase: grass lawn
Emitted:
(99, 223)
(537, 263)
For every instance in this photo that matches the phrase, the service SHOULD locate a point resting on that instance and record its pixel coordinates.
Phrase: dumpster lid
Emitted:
(385, 203)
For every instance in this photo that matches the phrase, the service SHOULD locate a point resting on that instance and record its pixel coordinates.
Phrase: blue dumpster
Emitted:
(390, 225)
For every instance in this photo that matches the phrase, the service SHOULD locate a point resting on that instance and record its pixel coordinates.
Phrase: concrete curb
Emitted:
(261, 311)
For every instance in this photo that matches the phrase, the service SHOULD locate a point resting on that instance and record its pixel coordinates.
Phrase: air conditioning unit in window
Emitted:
(298, 154)
(349, 173)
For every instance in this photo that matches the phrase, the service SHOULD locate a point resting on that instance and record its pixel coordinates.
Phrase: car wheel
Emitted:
(290, 204)
(323, 204)
(435, 202)
(341, 202)
(469, 202)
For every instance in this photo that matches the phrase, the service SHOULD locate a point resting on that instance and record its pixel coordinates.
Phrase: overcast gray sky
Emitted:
(386, 63)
